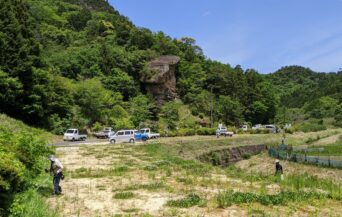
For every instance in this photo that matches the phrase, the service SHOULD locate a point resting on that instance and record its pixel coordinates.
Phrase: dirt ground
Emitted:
(96, 175)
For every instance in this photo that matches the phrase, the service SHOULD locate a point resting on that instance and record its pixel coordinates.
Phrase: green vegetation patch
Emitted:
(229, 198)
(124, 195)
(31, 204)
(190, 200)
(150, 187)
(99, 173)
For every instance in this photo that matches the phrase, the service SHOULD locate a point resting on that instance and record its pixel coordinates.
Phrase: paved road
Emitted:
(91, 141)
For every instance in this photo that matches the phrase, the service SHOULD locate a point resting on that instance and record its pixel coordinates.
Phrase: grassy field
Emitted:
(164, 179)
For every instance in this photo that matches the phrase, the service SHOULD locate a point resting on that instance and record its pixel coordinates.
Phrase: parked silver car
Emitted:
(123, 136)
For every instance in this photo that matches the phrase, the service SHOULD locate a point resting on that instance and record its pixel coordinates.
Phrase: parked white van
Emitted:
(123, 136)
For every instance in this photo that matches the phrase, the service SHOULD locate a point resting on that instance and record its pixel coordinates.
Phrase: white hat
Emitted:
(51, 157)
(277, 161)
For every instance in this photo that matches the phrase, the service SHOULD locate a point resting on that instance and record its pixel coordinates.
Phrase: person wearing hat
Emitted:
(56, 168)
(279, 168)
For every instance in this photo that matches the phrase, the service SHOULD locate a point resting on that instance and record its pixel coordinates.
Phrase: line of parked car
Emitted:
(270, 127)
(107, 133)
(145, 134)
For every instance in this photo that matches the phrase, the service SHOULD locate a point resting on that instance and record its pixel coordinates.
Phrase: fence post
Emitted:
(305, 160)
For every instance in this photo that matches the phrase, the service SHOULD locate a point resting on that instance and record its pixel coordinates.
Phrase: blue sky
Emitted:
(260, 34)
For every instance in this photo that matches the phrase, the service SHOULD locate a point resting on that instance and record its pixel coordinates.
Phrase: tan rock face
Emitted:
(162, 84)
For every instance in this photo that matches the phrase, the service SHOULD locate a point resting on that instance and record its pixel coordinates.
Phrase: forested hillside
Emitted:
(78, 63)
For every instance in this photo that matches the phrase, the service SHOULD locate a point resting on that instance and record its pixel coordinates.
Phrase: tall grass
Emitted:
(293, 182)
(31, 204)
(229, 198)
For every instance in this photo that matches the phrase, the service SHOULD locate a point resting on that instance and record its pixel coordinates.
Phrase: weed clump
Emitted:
(229, 198)
(150, 167)
(150, 187)
(191, 200)
(123, 195)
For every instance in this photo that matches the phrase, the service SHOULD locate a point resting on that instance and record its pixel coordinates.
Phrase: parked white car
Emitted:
(123, 136)
(244, 128)
(73, 135)
(272, 128)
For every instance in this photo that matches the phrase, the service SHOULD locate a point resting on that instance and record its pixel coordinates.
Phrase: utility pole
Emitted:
(211, 108)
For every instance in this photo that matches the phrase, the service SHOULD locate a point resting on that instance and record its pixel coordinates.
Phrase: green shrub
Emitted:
(206, 131)
(123, 195)
(290, 130)
(23, 156)
(97, 127)
(186, 132)
(229, 198)
(150, 167)
(310, 127)
(260, 131)
(30, 204)
(191, 200)
(120, 170)
(246, 156)
(337, 123)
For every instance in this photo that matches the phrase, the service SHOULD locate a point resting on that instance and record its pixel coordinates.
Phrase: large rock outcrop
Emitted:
(161, 82)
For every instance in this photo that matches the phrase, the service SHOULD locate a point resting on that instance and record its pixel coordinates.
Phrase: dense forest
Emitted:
(77, 63)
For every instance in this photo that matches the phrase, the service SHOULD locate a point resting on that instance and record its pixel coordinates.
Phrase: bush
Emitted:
(261, 131)
(310, 127)
(229, 198)
(337, 123)
(186, 132)
(23, 153)
(290, 130)
(191, 200)
(30, 204)
(123, 195)
(97, 127)
(206, 131)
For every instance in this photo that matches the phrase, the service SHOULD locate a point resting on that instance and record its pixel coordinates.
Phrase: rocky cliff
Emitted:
(161, 85)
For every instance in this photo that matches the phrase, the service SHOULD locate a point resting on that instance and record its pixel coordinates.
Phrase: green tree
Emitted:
(78, 20)
(141, 109)
(230, 110)
(94, 100)
(19, 52)
(120, 81)
(258, 110)
(119, 118)
(170, 114)
(11, 89)
(141, 38)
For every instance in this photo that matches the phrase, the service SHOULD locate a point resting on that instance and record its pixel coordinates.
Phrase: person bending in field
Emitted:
(279, 168)
(56, 168)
